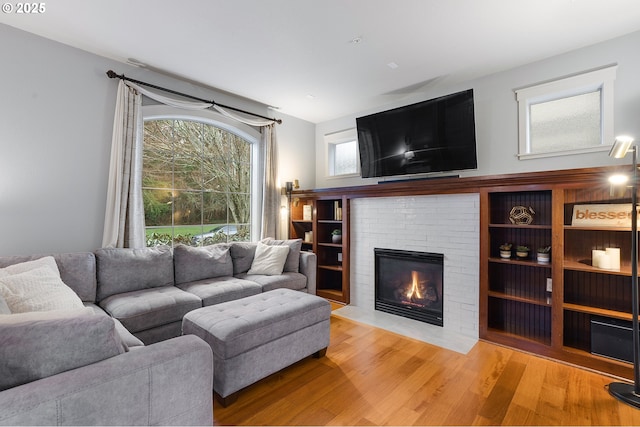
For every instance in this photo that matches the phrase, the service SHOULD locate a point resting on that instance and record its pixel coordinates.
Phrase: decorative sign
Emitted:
(306, 212)
(602, 215)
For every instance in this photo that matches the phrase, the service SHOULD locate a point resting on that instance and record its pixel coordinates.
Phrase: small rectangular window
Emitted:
(342, 154)
(567, 116)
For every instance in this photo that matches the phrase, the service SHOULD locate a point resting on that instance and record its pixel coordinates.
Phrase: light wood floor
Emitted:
(374, 377)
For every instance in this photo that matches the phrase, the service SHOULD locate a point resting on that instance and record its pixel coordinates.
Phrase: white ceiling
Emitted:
(303, 56)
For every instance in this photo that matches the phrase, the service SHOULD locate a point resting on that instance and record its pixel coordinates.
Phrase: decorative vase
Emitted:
(505, 254)
(543, 257)
(522, 254)
(336, 238)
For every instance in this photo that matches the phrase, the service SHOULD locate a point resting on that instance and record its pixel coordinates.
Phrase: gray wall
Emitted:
(496, 111)
(56, 118)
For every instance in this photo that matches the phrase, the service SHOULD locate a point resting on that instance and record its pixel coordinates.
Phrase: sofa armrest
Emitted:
(308, 263)
(168, 383)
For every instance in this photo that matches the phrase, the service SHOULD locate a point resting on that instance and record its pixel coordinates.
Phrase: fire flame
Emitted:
(414, 291)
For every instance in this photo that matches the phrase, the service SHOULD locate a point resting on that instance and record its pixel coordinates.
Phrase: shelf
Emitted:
(501, 295)
(515, 338)
(523, 226)
(520, 262)
(582, 228)
(331, 267)
(597, 311)
(331, 294)
(330, 245)
(582, 266)
(589, 355)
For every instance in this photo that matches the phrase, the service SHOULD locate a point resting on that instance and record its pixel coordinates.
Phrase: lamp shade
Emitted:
(620, 147)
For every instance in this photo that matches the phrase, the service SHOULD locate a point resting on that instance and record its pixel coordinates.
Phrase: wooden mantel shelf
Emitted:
(473, 184)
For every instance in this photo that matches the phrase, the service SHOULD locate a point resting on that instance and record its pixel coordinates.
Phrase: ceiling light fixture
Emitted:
(356, 40)
(392, 65)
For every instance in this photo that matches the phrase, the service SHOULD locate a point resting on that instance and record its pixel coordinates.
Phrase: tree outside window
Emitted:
(196, 183)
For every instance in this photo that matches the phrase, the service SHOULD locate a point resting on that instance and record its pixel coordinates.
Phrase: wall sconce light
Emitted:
(288, 188)
(625, 392)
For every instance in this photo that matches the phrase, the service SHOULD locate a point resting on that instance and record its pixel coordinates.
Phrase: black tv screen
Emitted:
(431, 136)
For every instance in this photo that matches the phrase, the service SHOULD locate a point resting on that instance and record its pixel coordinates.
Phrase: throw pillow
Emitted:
(22, 267)
(293, 258)
(39, 289)
(4, 308)
(269, 260)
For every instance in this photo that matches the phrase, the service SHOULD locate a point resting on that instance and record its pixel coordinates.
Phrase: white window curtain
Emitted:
(124, 217)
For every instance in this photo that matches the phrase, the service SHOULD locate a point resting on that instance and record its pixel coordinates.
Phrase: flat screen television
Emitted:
(437, 135)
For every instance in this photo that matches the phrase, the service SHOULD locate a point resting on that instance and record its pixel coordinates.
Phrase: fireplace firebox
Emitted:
(409, 284)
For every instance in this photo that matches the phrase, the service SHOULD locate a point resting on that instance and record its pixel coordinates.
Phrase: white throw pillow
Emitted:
(39, 289)
(269, 260)
(47, 261)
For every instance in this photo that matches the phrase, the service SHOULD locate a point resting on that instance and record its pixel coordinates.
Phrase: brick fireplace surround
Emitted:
(447, 224)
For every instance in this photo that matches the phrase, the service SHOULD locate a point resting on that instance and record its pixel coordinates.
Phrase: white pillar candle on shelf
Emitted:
(614, 256)
(604, 261)
(596, 254)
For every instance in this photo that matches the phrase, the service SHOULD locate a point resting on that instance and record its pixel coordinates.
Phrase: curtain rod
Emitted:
(112, 75)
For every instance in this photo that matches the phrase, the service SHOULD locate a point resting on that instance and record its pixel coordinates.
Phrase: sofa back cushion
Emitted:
(242, 254)
(200, 263)
(40, 344)
(77, 270)
(121, 270)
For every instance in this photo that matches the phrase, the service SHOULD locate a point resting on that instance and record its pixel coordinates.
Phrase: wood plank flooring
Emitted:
(375, 377)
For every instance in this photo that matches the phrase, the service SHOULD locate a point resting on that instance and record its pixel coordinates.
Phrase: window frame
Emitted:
(246, 132)
(334, 139)
(597, 80)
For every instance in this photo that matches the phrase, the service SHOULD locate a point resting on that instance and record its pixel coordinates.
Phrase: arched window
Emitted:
(197, 181)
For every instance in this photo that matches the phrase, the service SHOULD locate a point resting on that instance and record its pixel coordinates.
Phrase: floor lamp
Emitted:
(625, 392)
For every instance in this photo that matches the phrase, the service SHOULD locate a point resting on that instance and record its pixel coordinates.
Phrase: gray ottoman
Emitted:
(256, 336)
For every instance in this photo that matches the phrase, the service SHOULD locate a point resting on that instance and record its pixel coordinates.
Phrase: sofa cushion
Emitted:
(40, 344)
(242, 254)
(199, 263)
(128, 339)
(122, 270)
(295, 281)
(293, 258)
(269, 259)
(40, 289)
(148, 308)
(221, 289)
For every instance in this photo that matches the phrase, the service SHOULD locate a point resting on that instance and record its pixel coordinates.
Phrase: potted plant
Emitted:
(505, 250)
(522, 251)
(336, 236)
(544, 254)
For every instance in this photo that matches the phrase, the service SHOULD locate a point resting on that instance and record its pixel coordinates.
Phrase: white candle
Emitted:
(614, 255)
(604, 261)
(596, 254)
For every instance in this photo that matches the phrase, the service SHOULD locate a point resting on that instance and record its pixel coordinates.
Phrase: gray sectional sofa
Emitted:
(140, 370)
